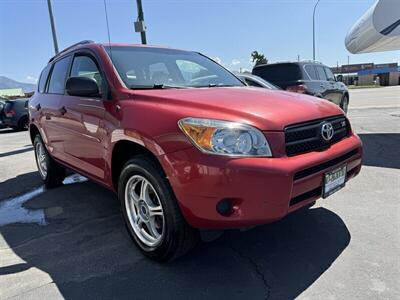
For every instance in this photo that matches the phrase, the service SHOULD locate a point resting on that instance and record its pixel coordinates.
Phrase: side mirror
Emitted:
(82, 86)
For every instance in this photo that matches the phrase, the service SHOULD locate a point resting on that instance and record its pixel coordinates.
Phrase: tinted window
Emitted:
(279, 72)
(43, 79)
(251, 82)
(8, 106)
(311, 72)
(84, 66)
(58, 75)
(329, 74)
(321, 73)
(146, 67)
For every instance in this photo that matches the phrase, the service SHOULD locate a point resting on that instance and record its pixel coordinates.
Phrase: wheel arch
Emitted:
(124, 150)
(33, 131)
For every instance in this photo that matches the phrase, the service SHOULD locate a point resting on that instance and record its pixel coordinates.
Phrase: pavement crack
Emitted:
(256, 269)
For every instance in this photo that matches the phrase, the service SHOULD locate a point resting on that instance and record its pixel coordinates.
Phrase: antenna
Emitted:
(108, 28)
(109, 39)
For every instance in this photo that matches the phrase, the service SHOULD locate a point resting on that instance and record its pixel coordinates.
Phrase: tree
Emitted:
(258, 58)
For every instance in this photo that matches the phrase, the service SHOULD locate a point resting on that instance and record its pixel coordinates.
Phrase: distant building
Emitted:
(369, 74)
(12, 93)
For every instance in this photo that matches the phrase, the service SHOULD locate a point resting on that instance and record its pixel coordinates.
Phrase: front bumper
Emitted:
(262, 190)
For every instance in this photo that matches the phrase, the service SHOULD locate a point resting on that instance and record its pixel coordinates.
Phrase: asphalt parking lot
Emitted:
(71, 243)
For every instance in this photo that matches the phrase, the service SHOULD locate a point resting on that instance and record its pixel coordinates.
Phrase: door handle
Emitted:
(63, 110)
(38, 107)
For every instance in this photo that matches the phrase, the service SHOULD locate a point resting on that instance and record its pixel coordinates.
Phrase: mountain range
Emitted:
(8, 83)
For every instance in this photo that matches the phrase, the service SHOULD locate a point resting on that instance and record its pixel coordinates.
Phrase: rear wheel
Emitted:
(51, 172)
(344, 104)
(151, 212)
(23, 124)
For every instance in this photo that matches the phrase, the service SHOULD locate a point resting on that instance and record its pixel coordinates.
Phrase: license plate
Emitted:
(334, 181)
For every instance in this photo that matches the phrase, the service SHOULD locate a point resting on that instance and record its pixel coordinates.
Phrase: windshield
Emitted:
(142, 68)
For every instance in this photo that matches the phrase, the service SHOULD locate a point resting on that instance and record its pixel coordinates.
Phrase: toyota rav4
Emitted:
(184, 143)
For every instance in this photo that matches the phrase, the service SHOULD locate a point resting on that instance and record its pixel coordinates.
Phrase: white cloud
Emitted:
(235, 61)
(31, 79)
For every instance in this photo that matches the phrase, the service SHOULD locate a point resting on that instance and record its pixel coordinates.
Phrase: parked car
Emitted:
(256, 81)
(306, 77)
(2, 103)
(184, 143)
(15, 114)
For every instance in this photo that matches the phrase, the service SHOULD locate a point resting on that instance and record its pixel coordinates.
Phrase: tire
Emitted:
(50, 171)
(23, 124)
(344, 104)
(171, 236)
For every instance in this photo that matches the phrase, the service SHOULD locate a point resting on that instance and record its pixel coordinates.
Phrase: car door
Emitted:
(327, 91)
(82, 121)
(47, 105)
(334, 86)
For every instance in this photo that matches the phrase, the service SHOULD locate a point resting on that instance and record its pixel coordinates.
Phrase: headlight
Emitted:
(225, 138)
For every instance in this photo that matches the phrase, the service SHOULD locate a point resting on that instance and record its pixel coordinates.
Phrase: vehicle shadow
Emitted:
(381, 149)
(14, 152)
(19, 184)
(6, 130)
(86, 250)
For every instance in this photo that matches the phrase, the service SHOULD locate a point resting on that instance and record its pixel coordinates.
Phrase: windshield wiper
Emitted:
(167, 86)
(220, 85)
(156, 86)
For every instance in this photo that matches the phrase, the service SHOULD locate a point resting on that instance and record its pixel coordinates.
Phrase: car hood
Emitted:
(269, 110)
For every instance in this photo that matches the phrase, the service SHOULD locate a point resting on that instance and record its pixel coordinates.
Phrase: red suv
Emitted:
(184, 143)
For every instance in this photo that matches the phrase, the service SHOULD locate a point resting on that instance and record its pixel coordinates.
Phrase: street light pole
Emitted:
(53, 26)
(313, 29)
(141, 20)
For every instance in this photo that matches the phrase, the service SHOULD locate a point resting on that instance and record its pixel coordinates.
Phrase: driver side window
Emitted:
(84, 66)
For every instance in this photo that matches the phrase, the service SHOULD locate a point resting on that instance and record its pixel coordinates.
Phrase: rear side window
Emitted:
(58, 76)
(43, 79)
(329, 74)
(321, 73)
(311, 72)
(279, 72)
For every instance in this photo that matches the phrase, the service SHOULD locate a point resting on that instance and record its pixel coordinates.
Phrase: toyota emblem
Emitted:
(327, 131)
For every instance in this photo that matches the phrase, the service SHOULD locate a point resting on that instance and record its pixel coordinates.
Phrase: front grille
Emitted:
(306, 137)
(325, 165)
(317, 192)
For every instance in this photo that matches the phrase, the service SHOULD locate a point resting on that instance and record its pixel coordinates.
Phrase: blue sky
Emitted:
(227, 30)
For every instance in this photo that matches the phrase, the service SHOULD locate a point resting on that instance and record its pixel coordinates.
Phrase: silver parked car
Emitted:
(256, 81)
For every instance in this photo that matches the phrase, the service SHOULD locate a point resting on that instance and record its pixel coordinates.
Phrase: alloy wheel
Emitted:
(41, 158)
(144, 211)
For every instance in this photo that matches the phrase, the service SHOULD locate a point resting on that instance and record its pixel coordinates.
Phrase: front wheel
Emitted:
(344, 104)
(50, 171)
(151, 211)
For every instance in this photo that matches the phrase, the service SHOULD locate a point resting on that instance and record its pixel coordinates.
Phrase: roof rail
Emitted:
(70, 47)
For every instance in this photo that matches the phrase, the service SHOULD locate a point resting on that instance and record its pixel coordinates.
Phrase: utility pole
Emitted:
(139, 24)
(53, 26)
(313, 29)
(348, 59)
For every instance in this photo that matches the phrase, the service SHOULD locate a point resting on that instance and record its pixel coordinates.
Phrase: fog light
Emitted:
(224, 207)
